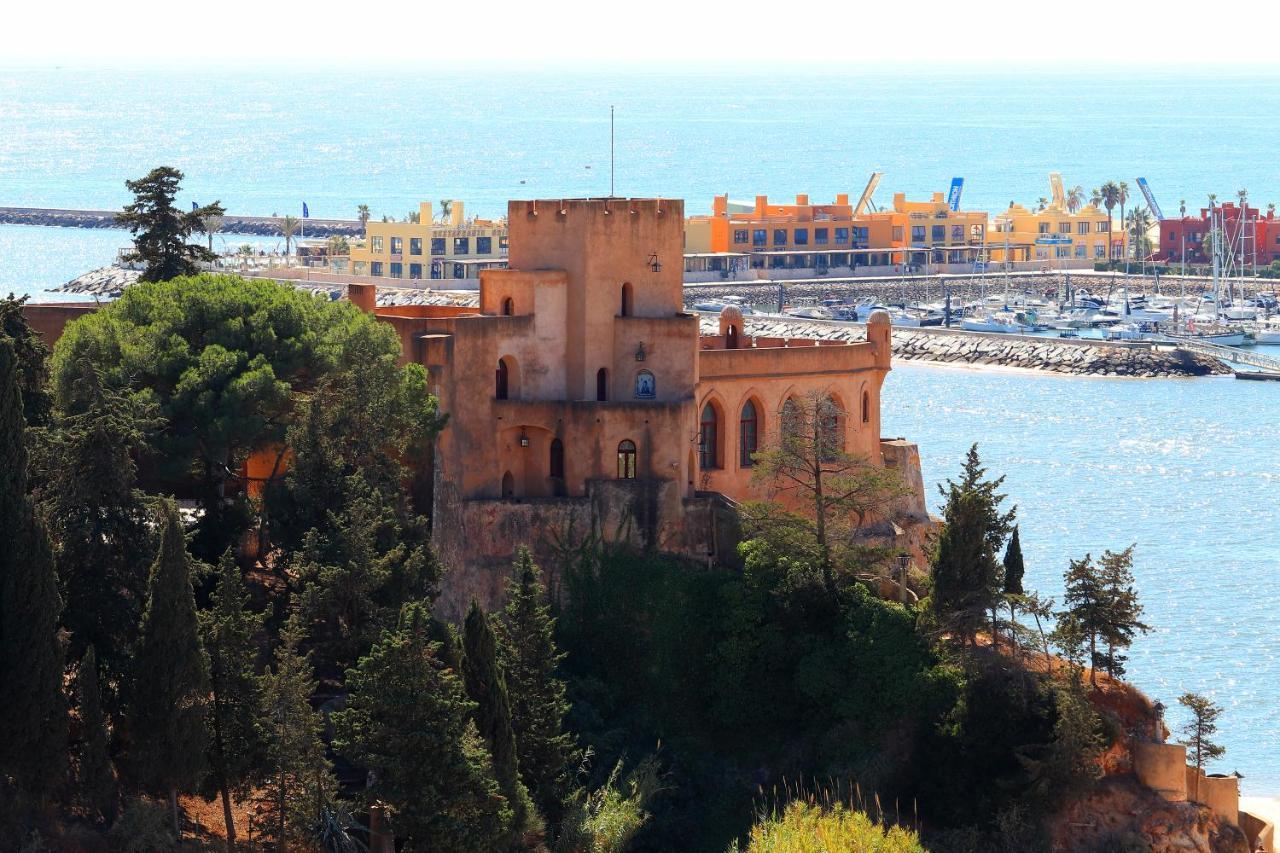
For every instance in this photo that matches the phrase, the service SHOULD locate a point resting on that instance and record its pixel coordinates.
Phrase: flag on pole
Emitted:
(305, 213)
(194, 207)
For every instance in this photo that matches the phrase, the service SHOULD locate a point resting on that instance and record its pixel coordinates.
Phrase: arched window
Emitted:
(646, 385)
(602, 384)
(625, 308)
(708, 452)
(748, 434)
(866, 407)
(502, 385)
(731, 337)
(508, 307)
(508, 485)
(626, 459)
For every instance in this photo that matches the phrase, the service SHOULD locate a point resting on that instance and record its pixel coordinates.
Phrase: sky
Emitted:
(650, 34)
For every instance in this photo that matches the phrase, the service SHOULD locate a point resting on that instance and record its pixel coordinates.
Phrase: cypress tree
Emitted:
(161, 229)
(98, 520)
(235, 738)
(487, 687)
(966, 572)
(1014, 569)
(529, 657)
(95, 777)
(171, 686)
(408, 721)
(299, 777)
(33, 727)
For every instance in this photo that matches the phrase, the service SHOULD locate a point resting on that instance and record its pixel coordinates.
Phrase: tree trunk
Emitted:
(173, 807)
(1093, 654)
(228, 819)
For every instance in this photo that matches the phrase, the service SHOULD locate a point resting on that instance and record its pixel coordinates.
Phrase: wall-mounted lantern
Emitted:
(524, 439)
(640, 354)
(654, 263)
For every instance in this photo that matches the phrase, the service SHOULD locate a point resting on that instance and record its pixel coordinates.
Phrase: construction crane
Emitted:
(865, 199)
(1059, 194)
(1151, 199)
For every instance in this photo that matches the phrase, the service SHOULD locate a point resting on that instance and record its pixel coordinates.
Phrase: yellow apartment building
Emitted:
(932, 233)
(455, 248)
(1054, 233)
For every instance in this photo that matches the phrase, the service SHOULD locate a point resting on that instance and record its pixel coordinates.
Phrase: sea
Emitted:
(1187, 470)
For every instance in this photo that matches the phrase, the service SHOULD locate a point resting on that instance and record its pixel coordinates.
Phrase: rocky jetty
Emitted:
(266, 226)
(103, 283)
(392, 296)
(963, 288)
(944, 346)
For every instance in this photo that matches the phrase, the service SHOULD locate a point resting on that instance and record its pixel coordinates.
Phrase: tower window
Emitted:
(748, 434)
(626, 459)
(707, 445)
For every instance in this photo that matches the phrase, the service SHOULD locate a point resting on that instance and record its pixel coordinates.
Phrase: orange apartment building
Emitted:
(583, 401)
(839, 238)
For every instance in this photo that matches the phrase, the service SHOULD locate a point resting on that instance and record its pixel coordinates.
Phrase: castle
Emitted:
(583, 400)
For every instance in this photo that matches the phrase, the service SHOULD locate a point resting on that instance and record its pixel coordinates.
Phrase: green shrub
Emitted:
(142, 828)
(808, 828)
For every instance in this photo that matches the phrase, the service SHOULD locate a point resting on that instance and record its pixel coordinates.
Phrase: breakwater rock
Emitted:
(265, 226)
(962, 288)
(1081, 358)
(945, 346)
(103, 283)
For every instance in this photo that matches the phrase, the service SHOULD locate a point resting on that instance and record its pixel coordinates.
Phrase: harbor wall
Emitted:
(267, 226)
(1077, 357)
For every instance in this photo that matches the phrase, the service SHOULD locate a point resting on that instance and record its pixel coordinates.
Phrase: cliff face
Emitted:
(1121, 808)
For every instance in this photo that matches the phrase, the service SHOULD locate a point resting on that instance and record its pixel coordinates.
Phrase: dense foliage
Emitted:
(649, 704)
(161, 230)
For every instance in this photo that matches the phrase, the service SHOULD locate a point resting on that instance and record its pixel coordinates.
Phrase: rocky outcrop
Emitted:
(1119, 809)
(266, 226)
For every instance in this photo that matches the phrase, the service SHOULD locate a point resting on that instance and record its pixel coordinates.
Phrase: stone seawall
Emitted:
(948, 346)
(265, 226)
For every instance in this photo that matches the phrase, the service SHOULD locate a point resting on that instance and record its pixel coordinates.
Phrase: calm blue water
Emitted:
(263, 142)
(1189, 470)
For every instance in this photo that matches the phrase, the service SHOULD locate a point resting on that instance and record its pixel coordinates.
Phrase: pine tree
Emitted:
(1123, 610)
(1199, 731)
(487, 687)
(96, 780)
(161, 230)
(529, 657)
(967, 576)
(299, 780)
(235, 738)
(33, 727)
(171, 685)
(33, 360)
(1086, 615)
(1014, 569)
(408, 721)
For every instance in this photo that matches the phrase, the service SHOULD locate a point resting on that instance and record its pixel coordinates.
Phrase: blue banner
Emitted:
(953, 198)
(305, 213)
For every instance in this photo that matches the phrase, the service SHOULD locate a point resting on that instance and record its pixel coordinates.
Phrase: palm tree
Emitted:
(1122, 196)
(1110, 197)
(362, 213)
(446, 208)
(1095, 197)
(288, 227)
(211, 225)
(413, 216)
(1139, 230)
(1075, 198)
(1271, 210)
